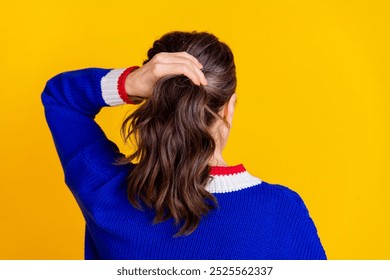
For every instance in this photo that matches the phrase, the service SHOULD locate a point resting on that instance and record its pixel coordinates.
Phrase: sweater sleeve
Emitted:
(71, 101)
(300, 240)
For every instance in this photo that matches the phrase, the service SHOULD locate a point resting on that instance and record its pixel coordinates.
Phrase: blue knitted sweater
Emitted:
(255, 219)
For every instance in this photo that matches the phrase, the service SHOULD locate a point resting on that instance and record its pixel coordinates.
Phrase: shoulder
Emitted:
(284, 211)
(298, 235)
(237, 181)
(280, 192)
(287, 193)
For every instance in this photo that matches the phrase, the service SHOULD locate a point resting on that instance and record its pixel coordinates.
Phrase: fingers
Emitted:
(167, 57)
(181, 63)
(200, 75)
(182, 68)
(191, 57)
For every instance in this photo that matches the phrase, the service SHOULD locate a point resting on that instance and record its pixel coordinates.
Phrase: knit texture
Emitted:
(255, 219)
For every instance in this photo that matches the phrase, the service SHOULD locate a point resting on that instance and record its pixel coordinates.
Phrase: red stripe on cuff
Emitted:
(121, 84)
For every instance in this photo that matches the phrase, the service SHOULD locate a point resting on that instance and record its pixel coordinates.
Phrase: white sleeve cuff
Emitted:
(109, 87)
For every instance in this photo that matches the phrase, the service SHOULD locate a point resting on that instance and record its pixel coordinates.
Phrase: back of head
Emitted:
(173, 135)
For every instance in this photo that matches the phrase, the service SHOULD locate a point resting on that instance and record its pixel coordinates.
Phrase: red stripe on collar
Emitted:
(227, 170)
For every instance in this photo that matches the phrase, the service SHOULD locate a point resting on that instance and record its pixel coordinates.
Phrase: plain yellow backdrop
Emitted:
(313, 109)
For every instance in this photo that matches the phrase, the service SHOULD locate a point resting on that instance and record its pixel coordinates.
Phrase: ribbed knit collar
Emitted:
(230, 178)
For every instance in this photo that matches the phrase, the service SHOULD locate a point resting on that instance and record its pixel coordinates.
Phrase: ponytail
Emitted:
(171, 130)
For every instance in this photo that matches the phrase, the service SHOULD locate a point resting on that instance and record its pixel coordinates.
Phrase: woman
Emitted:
(194, 205)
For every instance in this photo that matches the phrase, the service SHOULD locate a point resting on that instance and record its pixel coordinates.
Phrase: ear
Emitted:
(229, 108)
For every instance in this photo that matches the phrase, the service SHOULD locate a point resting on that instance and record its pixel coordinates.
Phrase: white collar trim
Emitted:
(232, 182)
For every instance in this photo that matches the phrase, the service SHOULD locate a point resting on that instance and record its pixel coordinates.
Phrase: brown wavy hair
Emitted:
(172, 132)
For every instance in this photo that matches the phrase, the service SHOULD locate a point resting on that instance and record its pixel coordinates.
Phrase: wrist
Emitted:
(125, 85)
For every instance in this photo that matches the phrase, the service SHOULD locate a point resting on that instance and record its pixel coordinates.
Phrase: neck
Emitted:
(217, 160)
(220, 141)
(217, 163)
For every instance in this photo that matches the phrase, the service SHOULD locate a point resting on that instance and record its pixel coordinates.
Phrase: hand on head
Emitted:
(140, 82)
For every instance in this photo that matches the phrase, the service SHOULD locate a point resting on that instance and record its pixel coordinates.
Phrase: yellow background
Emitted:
(312, 114)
